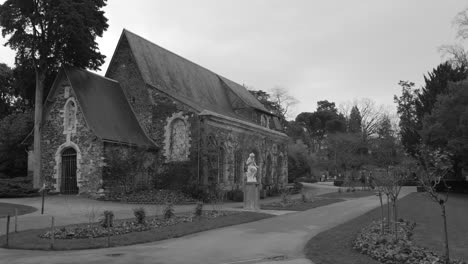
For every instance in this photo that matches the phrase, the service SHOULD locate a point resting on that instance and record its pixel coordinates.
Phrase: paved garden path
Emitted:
(72, 209)
(275, 240)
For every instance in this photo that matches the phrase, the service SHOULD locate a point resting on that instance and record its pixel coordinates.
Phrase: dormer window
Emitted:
(70, 116)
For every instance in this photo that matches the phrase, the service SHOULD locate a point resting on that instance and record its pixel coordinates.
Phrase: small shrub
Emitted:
(198, 209)
(339, 190)
(297, 187)
(338, 182)
(168, 211)
(140, 215)
(107, 219)
(285, 199)
(348, 189)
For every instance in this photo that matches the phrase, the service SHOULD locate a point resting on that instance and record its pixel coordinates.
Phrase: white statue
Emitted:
(251, 168)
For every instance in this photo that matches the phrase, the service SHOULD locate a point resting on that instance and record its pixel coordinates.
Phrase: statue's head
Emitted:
(252, 155)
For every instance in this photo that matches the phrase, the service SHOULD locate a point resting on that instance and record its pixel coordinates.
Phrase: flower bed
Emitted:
(388, 250)
(151, 197)
(121, 227)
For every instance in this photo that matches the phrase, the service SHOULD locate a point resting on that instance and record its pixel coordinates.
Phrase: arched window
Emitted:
(70, 116)
(177, 138)
(179, 142)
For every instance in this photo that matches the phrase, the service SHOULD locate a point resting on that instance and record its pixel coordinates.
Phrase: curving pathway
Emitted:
(275, 240)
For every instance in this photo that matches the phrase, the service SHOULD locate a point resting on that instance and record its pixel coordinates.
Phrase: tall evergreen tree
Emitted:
(406, 109)
(52, 34)
(355, 121)
(435, 84)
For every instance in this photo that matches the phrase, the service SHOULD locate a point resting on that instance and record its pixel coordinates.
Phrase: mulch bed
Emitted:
(30, 239)
(299, 205)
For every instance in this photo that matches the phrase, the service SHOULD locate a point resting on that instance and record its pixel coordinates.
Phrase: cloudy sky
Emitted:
(334, 50)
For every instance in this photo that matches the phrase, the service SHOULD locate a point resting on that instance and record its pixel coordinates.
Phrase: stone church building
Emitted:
(179, 118)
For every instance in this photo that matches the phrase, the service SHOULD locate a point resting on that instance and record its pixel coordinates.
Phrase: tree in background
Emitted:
(51, 34)
(6, 91)
(278, 101)
(436, 83)
(406, 110)
(13, 129)
(447, 126)
(318, 124)
(355, 121)
(414, 106)
(299, 162)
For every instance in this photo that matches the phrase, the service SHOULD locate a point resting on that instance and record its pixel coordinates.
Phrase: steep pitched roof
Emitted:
(184, 79)
(105, 108)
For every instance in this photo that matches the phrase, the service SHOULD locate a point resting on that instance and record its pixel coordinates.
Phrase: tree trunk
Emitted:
(447, 256)
(395, 225)
(38, 109)
(382, 214)
(388, 214)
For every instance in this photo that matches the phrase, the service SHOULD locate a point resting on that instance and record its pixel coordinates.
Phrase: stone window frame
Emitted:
(168, 136)
(66, 109)
(58, 165)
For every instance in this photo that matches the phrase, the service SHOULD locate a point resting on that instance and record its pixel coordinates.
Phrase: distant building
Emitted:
(190, 125)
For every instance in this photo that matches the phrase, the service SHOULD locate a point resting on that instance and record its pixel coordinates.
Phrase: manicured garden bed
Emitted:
(9, 209)
(336, 245)
(299, 205)
(179, 226)
(150, 197)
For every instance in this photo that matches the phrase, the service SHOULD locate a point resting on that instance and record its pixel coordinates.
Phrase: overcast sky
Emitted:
(333, 50)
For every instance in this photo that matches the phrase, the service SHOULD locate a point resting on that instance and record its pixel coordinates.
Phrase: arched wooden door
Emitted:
(69, 184)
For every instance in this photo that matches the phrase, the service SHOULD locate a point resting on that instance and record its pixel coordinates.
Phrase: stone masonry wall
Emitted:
(238, 143)
(89, 148)
(154, 109)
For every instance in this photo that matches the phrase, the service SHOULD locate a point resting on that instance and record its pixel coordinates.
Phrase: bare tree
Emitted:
(371, 114)
(284, 99)
(455, 54)
(461, 23)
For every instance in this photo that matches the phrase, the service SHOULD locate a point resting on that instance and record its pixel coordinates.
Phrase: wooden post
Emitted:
(16, 220)
(52, 230)
(108, 231)
(43, 198)
(7, 230)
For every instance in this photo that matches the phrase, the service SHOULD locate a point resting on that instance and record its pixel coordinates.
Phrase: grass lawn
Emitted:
(334, 245)
(300, 206)
(347, 195)
(30, 239)
(9, 209)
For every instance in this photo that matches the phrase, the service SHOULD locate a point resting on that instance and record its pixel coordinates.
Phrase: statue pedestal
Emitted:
(251, 196)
